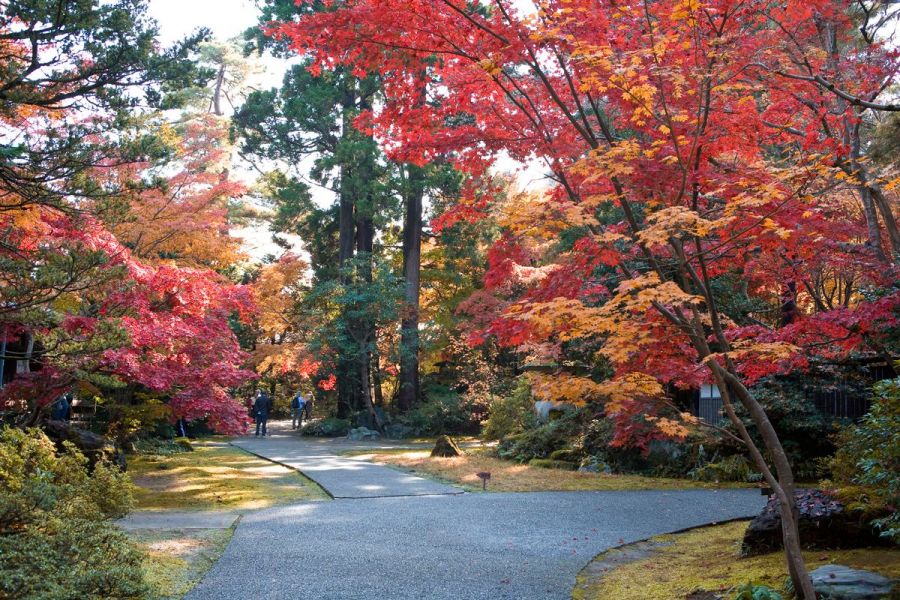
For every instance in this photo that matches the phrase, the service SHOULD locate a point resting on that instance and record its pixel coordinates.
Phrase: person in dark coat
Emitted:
(262, 406)
(61, 409)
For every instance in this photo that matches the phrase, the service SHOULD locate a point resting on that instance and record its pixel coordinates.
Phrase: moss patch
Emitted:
(216, 476)
(706, 559)
(508, 476)
(177, 559)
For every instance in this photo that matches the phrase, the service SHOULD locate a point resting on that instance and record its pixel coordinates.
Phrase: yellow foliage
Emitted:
(674, 221)
(537, 215)
(274, 291)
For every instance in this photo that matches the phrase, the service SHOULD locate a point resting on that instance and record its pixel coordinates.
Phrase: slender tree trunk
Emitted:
(782, 482)
(367, 397)
(217, 92)
(3, 356)
(412, 259)
(887, 215)
(375, 362)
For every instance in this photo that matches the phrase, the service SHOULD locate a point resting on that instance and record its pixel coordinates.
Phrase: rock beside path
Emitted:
(363, 433)
(838, 582)
(825, 524)
(446, 447)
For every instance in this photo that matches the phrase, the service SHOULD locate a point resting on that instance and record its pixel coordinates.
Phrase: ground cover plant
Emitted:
(175, 560)
(708, 559)
(215, 476)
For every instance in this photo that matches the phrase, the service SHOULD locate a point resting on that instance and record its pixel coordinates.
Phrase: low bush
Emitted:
(443, 412)
(542, 441)
(329, 427)
(162, 447)
(866, 467)
(748, 591)
(730, 468)
(510, 414)
(547, 463)
(56, 540)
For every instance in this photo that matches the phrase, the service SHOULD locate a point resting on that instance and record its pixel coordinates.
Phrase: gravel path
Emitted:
(340, 476)
(442, 547)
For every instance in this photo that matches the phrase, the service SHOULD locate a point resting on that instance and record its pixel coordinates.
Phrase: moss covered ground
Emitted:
(707, 559)
(177, 559)
(215, 476)
(508, 476)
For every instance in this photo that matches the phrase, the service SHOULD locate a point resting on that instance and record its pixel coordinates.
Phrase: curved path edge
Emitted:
(445, 546)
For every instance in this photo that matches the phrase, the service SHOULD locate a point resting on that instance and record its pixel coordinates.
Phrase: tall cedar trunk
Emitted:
(365, 237)
(366, 395)
(412, 258)
(375, 362)
(345, 220)
(347, 385)
(365, 234)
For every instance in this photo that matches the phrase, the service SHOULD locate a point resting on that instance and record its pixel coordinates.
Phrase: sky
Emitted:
(226, 18)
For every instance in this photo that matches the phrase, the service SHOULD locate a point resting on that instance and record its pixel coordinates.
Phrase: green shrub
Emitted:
(541, 442)
(866, 466)
(547, 463)
(330, 427)
(566, 454)
(748, 591)
(510, 414)
(162, 447)
(56, 541)
(443, 412)
(730, 468)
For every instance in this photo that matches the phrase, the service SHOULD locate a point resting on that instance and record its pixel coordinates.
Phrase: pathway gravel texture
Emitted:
(340, 476)
(441, 546)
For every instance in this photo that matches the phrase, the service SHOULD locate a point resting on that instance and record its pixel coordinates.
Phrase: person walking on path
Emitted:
(307, 408)
(298, 407)
(261, 409)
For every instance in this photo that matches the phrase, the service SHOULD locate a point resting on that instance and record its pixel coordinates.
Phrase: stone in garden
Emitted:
(824, 525)
(398, 431)
(95, 448)
(445, 447)
(838, 582)
(363, 433)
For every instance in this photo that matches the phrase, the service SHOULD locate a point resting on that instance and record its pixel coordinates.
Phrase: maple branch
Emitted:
(476, 23)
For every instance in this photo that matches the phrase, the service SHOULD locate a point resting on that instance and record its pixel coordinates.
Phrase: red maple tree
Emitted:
(689, 142)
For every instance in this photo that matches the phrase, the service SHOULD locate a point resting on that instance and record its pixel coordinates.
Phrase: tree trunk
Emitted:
(375, 362)
(782, 484)
(347, 387)
(890, 222)
(25, 365)
(345, 220)
(3, 356)
(367, 397)
(217, 92)
(412, 259)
